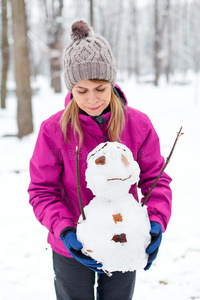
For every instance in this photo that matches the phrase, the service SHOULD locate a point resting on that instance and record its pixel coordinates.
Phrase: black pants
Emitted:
(74, 281)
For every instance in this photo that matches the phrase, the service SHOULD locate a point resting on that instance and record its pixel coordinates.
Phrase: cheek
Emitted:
(107, 97)
(79, 100)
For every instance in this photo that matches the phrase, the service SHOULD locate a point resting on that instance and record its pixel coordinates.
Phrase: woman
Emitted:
(96, 111)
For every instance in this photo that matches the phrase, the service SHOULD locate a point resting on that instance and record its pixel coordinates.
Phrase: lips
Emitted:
(94, 108)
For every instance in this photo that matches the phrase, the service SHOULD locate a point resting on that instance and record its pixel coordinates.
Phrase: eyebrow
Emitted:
(81, 87)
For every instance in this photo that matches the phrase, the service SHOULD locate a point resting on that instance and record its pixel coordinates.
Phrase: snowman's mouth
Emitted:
(121, 179)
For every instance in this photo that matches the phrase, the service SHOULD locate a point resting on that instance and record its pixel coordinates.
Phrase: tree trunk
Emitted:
(169, 70)
(185, 24)
(55, 67)
(119, 24)
(129, 55)
(22, 68)
(54, 32)
(157, 46)
(158, 39)
(5, 53)
(136, 40)
(91, 13)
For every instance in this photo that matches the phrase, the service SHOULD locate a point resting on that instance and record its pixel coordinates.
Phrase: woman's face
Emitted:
(92, 97)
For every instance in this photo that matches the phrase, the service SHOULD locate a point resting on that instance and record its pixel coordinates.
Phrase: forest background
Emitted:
(156, 44)
(148, 38)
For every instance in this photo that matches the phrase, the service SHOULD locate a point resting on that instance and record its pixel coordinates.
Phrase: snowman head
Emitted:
(111, 170)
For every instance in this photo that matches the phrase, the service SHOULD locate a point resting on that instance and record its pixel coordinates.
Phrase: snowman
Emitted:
(116, 230)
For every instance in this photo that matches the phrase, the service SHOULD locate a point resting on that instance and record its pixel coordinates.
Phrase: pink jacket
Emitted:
(53, 189)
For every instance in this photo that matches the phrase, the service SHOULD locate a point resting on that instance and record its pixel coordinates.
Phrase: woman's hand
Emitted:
(152, 249)
(74, 247)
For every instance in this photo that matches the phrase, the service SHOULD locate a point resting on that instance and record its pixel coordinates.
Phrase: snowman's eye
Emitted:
(125, 160)
(100, 160)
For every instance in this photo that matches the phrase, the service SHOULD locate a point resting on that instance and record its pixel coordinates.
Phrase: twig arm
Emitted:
(78, 184)
(166, 163)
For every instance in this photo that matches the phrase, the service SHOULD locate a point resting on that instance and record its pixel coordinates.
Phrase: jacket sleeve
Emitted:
(45, 188)
(151, 163)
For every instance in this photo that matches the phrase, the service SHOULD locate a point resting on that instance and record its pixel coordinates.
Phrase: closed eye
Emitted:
(82, 92)
(100, 90)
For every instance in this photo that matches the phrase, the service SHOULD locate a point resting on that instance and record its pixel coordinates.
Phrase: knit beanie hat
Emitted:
(89, 56)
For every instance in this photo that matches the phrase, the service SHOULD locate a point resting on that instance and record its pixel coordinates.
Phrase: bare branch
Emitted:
(78, 184)
(166, 163)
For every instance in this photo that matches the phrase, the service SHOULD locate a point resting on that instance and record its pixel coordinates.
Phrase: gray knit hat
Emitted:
(89, 56)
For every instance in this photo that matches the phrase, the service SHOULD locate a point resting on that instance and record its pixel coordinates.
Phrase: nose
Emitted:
(92, 98)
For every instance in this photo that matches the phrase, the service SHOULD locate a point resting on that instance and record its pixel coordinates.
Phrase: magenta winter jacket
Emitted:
(53, 189)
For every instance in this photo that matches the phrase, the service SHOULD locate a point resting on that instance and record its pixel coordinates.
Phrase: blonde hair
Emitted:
(115, 125)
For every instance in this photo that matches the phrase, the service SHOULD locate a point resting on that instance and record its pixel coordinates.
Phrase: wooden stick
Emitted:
(166, 163)
(79, 196)
(78, 184)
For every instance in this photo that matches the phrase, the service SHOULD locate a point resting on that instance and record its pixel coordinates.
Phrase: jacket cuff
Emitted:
(154, 218)
(62, 225)
(67, 230)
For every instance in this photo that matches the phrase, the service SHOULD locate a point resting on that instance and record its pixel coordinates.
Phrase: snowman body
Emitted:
(116, 229)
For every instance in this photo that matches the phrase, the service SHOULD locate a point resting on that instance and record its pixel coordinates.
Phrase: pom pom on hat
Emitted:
(80, 30)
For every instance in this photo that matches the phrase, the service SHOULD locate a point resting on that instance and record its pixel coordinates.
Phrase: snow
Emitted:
(116, 230)
(96, 233)
(105, 182)
(26, 267)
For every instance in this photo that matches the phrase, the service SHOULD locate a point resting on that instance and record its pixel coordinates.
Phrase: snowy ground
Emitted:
(25, 266)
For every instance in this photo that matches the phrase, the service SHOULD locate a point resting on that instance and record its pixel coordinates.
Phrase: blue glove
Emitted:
(74, 246)
(152, 249)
